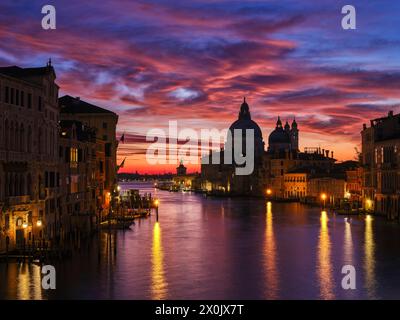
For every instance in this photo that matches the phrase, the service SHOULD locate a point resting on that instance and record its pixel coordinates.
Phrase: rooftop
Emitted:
(26, 73)
(70, 104)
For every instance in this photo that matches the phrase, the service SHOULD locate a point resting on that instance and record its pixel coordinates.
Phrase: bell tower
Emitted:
(294, 136)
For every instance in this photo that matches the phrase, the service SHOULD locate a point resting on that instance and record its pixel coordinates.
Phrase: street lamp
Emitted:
(24, 225)
(39, 223)
(323, 197)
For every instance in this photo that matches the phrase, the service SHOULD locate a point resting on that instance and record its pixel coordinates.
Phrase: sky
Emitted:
(193, 62)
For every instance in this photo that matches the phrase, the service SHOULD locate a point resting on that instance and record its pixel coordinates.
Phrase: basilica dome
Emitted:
(279, 138)
(243, 123)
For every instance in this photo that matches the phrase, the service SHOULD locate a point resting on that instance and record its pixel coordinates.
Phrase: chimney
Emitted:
(323, 152)
(390, 114)
(332, 154)
(78, 98)
(364, 126)
(327, 153)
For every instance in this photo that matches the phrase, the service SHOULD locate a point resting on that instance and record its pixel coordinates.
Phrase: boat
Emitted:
(116, 224)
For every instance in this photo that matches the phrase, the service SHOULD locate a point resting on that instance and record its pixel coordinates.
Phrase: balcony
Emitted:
(12, 201)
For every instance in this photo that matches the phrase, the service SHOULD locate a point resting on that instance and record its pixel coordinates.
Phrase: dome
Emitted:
(246, 124)
(244, 121)
(278, 136)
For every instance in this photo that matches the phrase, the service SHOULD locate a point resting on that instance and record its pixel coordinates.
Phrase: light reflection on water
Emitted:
(159, 285)
(324, 266)
(369, 262)
(271, 272)
(220, 248)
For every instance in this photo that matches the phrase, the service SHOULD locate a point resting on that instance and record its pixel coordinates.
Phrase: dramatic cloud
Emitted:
(193, 61)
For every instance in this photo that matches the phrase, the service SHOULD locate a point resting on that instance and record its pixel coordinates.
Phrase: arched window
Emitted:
(40, 141)
(16, 137)
(29, 185)
(11, 136)
(22, 189)
(22, 138)
(29, 139)
(6, 135)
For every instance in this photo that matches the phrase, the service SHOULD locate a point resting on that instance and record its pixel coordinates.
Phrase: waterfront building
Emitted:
(104, 123)
(29, 177)
(380, 162)
(184, 181)
(282, 156)
(221, 178)
(354, 174)
(295, 184)
(77, 167)
(181, 169)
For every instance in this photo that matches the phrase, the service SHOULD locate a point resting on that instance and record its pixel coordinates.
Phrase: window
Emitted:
(74, 184)
(6, 94)
(105, 137)
(17, 97)
(107, 150)
(104, 125)
(7, 222)
(12, 96)
(52, 179)
(46, 179)
(40, 103)
(29, 100)
(22, 99)
(73, 155)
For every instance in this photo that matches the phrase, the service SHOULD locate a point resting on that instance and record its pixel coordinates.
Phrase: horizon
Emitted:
(151, 62)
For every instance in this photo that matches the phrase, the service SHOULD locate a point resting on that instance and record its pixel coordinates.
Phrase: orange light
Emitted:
(323, 196)
(269, 191)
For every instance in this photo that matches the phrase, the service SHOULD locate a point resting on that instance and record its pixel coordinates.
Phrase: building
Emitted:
(78, 180)
(184, 181)
(270, 167)
(326, 189)
(181, 169)
(284, 157)
(380, 163)
(295, 184)
(104, 123)
(221, 178)
(29, 177)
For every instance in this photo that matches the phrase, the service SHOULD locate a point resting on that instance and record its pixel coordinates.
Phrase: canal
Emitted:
(221, 248)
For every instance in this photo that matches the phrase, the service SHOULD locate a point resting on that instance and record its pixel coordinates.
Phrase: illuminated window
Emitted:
(74, 155)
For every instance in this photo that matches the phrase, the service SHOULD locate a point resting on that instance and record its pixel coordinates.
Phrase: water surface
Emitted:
(221, 248)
